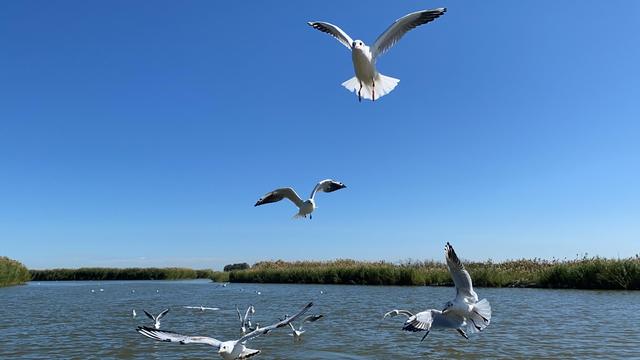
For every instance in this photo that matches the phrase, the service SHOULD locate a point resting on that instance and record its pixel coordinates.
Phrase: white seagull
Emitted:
(245, 323)
(156, 319)
(306, 207)
(133, 312)
(201, 308)
(297, 334)
(368, 82)
(465, 313)
(228, 350)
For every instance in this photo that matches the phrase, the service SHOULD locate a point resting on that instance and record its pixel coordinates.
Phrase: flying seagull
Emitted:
(298, 333)
(228, 350)
(368, 82)
(245, 323)
(306, 207)
(156, 319)
(465, 313)
(201, 308)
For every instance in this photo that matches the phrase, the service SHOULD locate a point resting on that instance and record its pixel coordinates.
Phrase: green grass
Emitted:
(12, 272)
(120, 274)
(585, 273)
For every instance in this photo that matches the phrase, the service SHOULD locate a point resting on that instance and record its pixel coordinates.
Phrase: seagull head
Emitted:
(357, 44)
(226, 347)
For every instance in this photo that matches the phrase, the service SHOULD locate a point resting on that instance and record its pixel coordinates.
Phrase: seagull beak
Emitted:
(258, 203)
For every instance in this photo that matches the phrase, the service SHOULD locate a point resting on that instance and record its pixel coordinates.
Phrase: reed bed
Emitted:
(583, 273)
(120, 274)
(12, 272)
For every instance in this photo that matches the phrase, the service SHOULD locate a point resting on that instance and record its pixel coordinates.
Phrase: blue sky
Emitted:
(141, 134)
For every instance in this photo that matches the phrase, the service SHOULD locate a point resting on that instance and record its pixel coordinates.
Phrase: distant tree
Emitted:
(239, 266)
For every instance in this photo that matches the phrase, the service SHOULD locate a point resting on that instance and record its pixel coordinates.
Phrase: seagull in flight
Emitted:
(156, 319)
(202, 308)
(228, 350)
(306, 207)
(368, 82)
(245, 323)
(297, 333)
(465, 313)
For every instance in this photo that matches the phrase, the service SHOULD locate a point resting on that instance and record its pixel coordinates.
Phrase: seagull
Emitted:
(465, 313)
(156, 319)
(368, 82)
(306, 207)
(133, 312)
(228, 350)
(298, 333)
(201, 308)
(466, 302)
(245, 323)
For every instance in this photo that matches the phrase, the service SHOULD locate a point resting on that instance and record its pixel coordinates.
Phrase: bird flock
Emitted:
(465, 314)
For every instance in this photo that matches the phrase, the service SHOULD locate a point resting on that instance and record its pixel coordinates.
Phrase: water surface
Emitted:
(66, 320)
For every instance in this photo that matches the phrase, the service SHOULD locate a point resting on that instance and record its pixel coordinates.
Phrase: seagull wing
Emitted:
(312, 318)
(250, 309)
(149, 315)
(334, 31)
(170, 336)
(239, 316)
(460, 275)
(401, 26)
(279, 194)
(447, 320)
(327, 185)
(280, 324)
(162, 314)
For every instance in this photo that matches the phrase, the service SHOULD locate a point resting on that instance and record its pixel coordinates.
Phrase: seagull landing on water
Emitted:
(245, 323)
(368, 82)
(156, 319)
(297, 334)
(306, 207)
(465, 313)
(228, 350)
(201, 308)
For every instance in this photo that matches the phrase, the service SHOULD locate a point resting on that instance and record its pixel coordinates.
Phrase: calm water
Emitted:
(65, 320)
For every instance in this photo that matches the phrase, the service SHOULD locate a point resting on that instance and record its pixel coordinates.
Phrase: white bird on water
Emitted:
(245, 323)
(228, 350)
(306, 207)
(156, 319)
(368, 82)
(465, 313)
(133, 313)
(297, 333)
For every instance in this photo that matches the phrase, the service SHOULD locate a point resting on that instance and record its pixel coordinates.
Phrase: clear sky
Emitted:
(142, 133)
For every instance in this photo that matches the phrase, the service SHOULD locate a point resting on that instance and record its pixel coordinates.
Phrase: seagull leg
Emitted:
(425, 335)
(359, 90)
(310, 216)
(373, 91)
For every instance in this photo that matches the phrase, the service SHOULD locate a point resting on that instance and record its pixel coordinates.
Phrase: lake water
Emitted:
(65, 320)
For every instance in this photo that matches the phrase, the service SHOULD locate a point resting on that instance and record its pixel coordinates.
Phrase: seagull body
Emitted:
(305, 207)
(156, 319)
(368, 82)
(228, 350)
(465, 313)
(297, 333)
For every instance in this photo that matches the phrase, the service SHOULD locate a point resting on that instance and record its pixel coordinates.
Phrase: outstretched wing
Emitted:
(327, 185)
(250, 310)
(239, 315)
(401, 26)
(279, 194)
(149, 315)
(162, 314)
(334, 31)
(280, 324)
(170, 336)
(460, 275)
(397, 312)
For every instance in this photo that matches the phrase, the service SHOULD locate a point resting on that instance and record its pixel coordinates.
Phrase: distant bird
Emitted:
(258, 292)
(245, 322)
(465, 313)
(101, 289)
(201, 308)
(225, 284)
(156, 319)
(298, 333)
(368, 82)
(306, 207)
(133, 312)
(93, 291)
(228, 350)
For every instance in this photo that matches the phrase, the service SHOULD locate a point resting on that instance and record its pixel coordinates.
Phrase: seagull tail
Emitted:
(384, 85)
(483, 309)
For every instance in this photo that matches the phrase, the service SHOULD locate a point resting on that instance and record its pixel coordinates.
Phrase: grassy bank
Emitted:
(12, 272)
(585, 273)
(120, 274)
